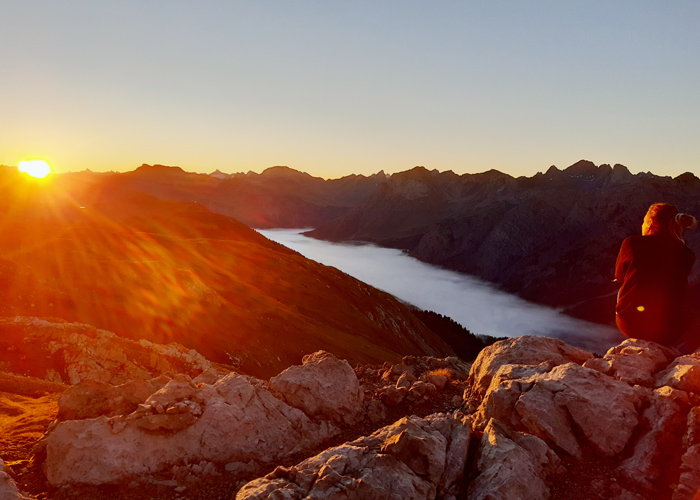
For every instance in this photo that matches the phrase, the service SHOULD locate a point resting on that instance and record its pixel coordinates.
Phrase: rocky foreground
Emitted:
(531, 418)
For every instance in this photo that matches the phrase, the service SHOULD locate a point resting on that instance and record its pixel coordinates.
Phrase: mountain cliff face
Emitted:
(168, 271)
(552, 238)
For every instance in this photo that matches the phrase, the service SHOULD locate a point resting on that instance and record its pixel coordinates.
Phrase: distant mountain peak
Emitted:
(156, 168)
(553, 170)
(689, 179)
(283, 171)
(219, 174)
(582, 167)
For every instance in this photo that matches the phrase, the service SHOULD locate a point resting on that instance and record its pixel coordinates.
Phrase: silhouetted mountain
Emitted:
(551, 238)
(167, 271)
(279, 197)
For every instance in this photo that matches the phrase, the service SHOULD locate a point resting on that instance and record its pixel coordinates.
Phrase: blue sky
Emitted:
(334, 88)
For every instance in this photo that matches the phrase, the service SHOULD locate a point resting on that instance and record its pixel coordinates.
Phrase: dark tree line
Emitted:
(466, 344)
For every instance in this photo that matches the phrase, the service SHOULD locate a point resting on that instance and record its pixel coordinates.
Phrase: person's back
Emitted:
(654, 269)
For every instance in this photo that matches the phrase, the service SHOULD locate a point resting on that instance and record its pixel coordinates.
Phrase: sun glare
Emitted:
(35, 168)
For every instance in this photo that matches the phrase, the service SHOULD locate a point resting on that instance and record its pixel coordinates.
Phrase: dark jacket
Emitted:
(654, 273)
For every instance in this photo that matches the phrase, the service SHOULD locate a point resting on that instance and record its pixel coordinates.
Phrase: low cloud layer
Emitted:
(475, 304)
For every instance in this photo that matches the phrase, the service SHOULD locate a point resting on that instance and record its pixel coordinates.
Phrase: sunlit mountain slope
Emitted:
(173, 271)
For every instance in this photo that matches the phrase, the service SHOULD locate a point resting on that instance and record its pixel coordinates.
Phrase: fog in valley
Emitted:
(475, 304)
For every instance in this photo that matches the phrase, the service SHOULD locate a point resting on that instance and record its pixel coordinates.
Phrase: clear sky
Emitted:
(333, 88)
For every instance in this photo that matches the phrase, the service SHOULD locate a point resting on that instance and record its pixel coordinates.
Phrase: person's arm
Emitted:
(623, 259)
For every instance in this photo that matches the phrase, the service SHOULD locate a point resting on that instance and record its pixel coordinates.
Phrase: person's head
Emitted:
(664, 218)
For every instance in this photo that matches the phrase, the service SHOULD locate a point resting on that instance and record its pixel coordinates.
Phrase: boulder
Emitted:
(376, 411)
(391, 396)
(603, 409)
(683, 374)
(661, 423)
(540, 414)
(73, 352)
(633, 361)
(240, 421)
(420, 392)
(324, 387)
(689, 480)
(423, 451)
(439, 381)
(511, 465)
(413, 458)
(526, 350)
(507, 384)
(90, 398)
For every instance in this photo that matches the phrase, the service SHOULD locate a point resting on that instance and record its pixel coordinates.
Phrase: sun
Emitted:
(35, 168)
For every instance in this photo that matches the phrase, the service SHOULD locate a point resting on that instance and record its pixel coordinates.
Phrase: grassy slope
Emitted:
(170, 271)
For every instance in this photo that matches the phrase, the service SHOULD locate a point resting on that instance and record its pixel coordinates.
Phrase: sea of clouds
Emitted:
(478, 306)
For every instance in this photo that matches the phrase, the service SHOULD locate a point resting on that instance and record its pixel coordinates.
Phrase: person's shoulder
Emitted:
(634, 240)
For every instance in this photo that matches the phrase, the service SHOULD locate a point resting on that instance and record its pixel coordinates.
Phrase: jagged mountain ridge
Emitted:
(551, 238)
(167, 271)
(278, 197)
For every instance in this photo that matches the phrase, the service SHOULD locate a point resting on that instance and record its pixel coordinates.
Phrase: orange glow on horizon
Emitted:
(38, 169)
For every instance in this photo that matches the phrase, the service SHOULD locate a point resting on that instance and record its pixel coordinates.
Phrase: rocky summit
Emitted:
(530, 418)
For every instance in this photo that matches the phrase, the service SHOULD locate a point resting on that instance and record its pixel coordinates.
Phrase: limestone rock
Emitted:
(90, 398)
(323, 387)
(604, 409)
(423, 451)
(689, 481)
(662, 421)
(508, 383)
(683, 374)
(420, 392)
(599, 364)
(526, 350)
(209, 376)
(376, 411)
(633, 361)
(180, 388)
(391, 396)
(240, 422)
(511, 465)
(77, 352)
(413, 458)
(173, 422)
(540, 414)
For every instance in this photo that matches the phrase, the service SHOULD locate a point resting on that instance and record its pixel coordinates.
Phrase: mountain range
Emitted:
(551, 238)
(278, 197)
(90, 249)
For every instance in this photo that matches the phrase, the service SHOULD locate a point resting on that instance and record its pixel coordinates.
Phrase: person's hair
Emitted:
(664, 218)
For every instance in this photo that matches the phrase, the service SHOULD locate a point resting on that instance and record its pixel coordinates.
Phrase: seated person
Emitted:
(653, 269)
